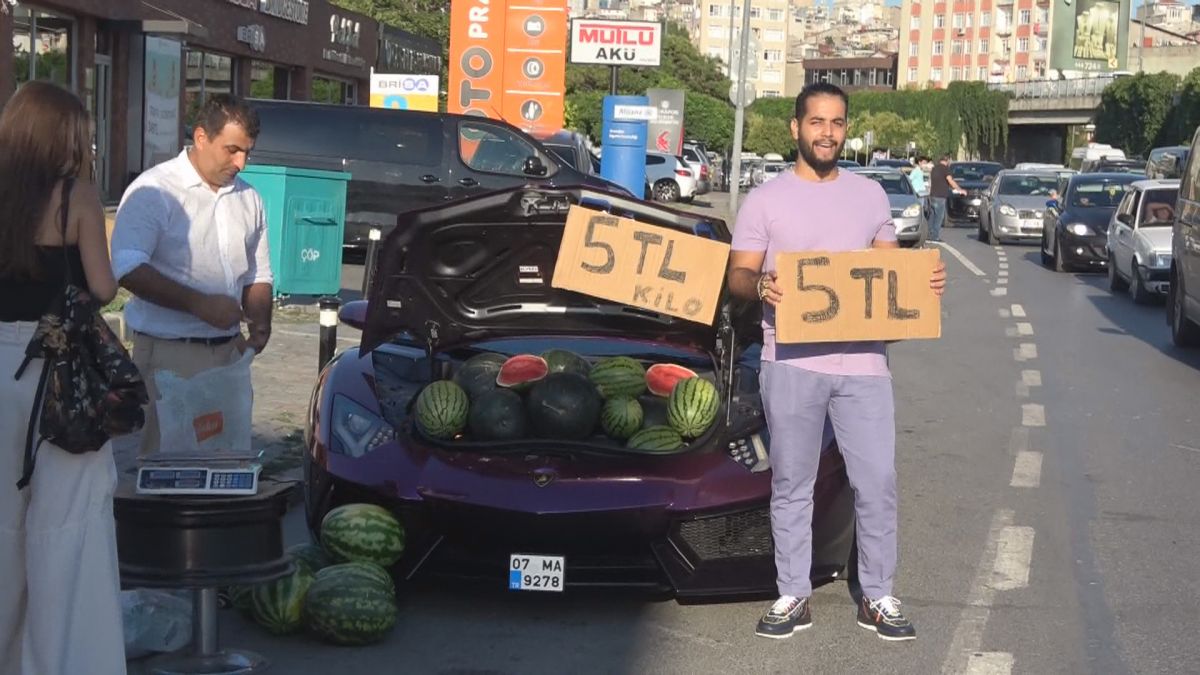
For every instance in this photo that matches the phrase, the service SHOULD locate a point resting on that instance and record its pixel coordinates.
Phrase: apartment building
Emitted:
(770, 21)
(988, 40)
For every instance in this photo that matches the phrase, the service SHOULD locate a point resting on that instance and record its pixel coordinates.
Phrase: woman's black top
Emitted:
(29, 299)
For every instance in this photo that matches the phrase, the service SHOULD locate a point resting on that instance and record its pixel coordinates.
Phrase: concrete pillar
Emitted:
(242, 74)
(301, 83)
(7, 80)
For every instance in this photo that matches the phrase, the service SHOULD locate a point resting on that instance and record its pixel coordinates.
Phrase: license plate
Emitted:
(536, 572)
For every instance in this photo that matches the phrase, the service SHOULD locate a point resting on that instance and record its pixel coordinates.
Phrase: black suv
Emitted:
(401, 160)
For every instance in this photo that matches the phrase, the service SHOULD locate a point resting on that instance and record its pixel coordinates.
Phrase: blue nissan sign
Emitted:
(623, 160)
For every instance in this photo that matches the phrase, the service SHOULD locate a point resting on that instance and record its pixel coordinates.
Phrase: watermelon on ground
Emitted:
(661, 378)
(278, 605)
(361, 570)
(619, 376)
(621, 417)
(564, 406)
(349, 609)
(442, 408)
(692, 407)
(311, 556)
(655, 439)
(362, 532)
(497, 416)
(477, 375)
(521, 371)
(563, 361)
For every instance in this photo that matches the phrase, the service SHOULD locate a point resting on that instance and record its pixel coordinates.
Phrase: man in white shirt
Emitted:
(190, 243)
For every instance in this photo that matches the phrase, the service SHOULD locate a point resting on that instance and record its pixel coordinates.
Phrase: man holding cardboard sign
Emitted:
(819, 211)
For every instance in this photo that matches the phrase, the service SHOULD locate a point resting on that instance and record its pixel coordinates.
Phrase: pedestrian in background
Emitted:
(819, 208)
(917, 176)
(60, 610)
(941, 184)
(190, 243)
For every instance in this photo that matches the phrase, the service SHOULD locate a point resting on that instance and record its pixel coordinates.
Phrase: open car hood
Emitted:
(481, 268)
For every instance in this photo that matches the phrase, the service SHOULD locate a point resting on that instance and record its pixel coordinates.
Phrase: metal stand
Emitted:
(207, 658)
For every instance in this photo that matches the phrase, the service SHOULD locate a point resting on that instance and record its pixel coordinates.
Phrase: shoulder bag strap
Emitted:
(68, 184)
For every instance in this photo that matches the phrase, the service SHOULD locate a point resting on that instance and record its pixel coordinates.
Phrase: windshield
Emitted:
(1159, 207)
(892, 183)
(1103, 194)
(963, 171)
(1028, 186)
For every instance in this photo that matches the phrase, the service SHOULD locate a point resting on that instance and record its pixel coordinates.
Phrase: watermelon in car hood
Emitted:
(481, 268)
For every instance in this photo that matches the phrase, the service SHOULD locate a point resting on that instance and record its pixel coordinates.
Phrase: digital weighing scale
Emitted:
(167, 473)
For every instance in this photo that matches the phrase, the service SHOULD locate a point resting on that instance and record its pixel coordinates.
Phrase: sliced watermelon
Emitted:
(661, 378)
(521, 371)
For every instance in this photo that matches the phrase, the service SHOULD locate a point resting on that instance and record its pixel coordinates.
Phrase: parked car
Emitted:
(1038, 166)
(455, 283)
(1139, 240)
(848, 164)
(907, 206)
(1012, 207)
(699, 160)
(671, 178)
(400, 160)
(1183, 297)
(772, 170)
(974, 178)
(1167, 162)
(886, 163)
(1075, 225)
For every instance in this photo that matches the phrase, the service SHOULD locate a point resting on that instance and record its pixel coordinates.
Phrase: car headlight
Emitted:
(912, 211)
(356, 430)
(1006, 210)
(1038, 214)
(1079, 229)
(1160, 259)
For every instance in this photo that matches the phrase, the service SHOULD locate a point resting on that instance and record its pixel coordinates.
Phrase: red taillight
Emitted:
(703, 171)
(682, 172)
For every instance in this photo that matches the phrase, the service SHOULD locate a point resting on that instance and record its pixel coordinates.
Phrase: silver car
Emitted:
(1139, 240)
(1013, 206)
(907, 211)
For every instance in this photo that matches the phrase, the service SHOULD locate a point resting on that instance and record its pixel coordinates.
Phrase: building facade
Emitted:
(770, 21)
(872, 73)
(143, 69)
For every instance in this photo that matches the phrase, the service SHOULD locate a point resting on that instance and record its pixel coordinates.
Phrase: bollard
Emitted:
(373, 238)
(329, 321)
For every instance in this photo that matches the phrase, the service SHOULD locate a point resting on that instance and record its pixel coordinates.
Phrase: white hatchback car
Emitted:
(671, 178)
(1139, 239)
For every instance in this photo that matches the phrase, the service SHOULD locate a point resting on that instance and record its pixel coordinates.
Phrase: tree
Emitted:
(769, 134)
(427, 18)
(1185, 116)
(894, 132)
(709, 119)
(1134, 110)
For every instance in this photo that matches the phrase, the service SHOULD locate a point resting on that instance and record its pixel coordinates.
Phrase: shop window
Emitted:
(270, 81)
(331, 90)
(42, 46)
(207, 74)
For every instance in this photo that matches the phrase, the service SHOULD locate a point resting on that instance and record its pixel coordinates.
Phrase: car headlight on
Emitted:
(355, 430)
(1079, 229)
(1006, 210)
(912, 211)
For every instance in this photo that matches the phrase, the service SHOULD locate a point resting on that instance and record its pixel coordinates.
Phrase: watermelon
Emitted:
(655, 439)
(692, 407)
(241, 598)
(621, 417)
(311, 556)
(564, 405)
(349, 609)
(477, 375)
(521, 371)
(360, 570)
(277, 605)
(563, 361)
(442, 409)
(619, 376)
(662, 377)
(654, 411)
(497, 416)
(362, 532)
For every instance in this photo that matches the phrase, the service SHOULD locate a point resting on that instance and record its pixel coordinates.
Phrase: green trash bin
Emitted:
(306, 223)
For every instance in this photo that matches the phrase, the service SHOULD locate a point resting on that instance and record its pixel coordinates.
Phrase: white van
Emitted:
(1083, 158)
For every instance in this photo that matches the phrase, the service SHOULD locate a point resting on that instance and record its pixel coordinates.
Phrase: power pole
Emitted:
(739, 117)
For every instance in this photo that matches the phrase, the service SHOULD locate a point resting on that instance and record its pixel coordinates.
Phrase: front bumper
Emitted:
(1084, 250)
(908, 229)
(703, 186)
(1157, 279)
(1014, 228)
(963, 207)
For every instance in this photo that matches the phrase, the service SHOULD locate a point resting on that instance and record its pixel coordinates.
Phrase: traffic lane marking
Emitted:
(968, 633)
(1018, 311)
(989, 663)
(1014, 553)
(1027, 470)
(1033, 415)
(961, 258)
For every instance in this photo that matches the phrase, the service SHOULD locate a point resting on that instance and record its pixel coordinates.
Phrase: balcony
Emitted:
(1043, 3)
(1002, 3)
(1040, 29)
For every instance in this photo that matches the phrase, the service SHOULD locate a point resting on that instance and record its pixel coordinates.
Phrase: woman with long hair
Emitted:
(59, 600)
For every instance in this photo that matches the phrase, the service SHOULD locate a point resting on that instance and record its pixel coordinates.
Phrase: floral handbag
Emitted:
(89, 390)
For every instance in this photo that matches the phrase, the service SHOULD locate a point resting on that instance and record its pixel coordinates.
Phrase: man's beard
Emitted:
(806, 151)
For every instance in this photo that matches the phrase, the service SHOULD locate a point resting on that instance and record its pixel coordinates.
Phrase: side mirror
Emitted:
(534, 166)
(354, 314)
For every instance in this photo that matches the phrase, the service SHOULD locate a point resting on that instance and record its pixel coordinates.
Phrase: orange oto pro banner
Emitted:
(508, 60)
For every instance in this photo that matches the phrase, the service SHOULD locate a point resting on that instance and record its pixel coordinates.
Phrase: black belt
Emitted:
(207, 342)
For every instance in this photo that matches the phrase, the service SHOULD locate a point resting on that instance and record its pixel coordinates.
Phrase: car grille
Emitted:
(738, 535)
(896, 213)
(1027, 214)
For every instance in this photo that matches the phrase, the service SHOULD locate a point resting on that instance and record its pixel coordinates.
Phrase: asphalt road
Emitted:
(1048, 458)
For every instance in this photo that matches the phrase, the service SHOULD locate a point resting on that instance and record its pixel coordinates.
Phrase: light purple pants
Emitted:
(863, 412)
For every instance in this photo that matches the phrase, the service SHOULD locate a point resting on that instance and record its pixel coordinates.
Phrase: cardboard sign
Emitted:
(880, 294)
(640, 265)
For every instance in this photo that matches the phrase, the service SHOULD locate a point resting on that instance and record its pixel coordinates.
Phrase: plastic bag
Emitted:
(155, 621)
(210, 411)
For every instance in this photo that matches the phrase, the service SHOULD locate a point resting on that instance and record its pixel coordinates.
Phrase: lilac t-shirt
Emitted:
(789, 214)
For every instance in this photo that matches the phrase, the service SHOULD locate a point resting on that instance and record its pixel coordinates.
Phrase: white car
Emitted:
(671, 178)
(1139, 240)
